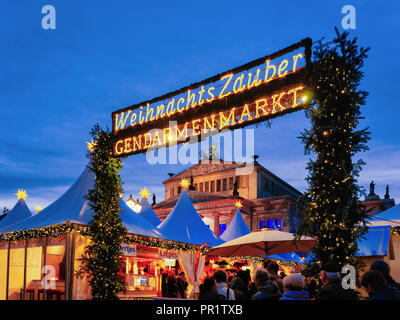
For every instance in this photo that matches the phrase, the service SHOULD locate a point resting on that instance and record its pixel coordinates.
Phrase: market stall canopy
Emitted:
(73, 207)
(389, 217)
(262, 242)
(236, 228)
(18, 213)
(375, 243)
(148, 213)
(185, 225)
(289, 256)
(136, 224)
(70, 207)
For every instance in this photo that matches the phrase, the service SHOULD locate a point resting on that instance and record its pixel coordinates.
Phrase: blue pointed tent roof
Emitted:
(184, 224)
(73, 207)
(148, 213)
(390, 216)
(18, 213)
(236, 228)
(70, 207)
(136, 224)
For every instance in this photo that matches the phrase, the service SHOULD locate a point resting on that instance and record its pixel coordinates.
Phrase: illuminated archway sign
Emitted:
(259, 90)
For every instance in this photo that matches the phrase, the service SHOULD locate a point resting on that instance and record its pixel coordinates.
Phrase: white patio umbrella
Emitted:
(262, 242)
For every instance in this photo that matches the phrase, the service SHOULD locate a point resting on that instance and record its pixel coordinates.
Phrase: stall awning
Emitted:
(376, 242)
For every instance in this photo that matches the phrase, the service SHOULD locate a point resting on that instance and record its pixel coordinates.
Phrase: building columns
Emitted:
(216, 224)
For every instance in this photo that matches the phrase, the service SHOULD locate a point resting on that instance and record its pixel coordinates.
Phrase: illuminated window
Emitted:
(271, 224)
(195, 186)
(201, 187)
(218, 185)
(206, 184)
(278, 224)
(224, 185)
(212, 186)
(222, 228)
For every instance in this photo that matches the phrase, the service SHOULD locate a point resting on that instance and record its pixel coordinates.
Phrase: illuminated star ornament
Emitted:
(38, 208)
(91, 145)
(144, 193)
(238, 204)
(185, 183)
(21, 194)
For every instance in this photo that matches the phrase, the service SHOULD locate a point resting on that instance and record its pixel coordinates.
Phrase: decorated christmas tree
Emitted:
(331, 207)
(101, 260)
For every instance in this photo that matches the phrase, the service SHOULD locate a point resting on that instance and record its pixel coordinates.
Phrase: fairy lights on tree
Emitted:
(331, 207)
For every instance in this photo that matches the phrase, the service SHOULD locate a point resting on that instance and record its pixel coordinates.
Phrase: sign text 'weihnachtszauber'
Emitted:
(259, 90)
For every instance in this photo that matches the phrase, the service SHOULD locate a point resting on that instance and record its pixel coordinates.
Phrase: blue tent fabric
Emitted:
(148, 213)
(73, 207)
(136, 224)
(376, 242)
(390, 216)
(236, 228)
(184, 224)
(70, 207)
(289, 256)
(16, 214)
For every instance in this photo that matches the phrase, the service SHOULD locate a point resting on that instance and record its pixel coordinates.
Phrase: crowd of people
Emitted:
(270, 284)
(173, 286)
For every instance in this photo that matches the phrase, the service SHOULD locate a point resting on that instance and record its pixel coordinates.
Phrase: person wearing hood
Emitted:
(384, 268)
(377, 288)
(293, 287)
(266, 289)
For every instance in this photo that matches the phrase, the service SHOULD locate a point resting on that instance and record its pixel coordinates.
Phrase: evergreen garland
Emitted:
(102, 260)
(330, 205)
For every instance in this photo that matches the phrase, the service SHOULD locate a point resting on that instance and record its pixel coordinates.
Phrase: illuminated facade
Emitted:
(267, 199)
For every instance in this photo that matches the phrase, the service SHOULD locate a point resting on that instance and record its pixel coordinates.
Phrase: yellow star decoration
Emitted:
(238, 204)
(184, 183)
(21, 194)
(38, 208)
(91, 145)
(144, 193)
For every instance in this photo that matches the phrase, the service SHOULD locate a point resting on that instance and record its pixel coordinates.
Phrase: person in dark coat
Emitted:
(377, 287)
(332, 288)
(266, 289)
(208, 290)
(182, 285)
(239, 288)
(172, 288)
(383, 267)
(273, 269)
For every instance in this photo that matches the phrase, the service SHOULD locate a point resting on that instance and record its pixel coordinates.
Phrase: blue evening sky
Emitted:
(104, 55)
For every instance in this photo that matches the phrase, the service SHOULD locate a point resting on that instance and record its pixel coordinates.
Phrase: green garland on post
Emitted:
(101, 260)
(331, 208)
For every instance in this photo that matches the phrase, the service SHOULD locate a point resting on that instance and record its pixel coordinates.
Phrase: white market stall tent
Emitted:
(59, 243)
